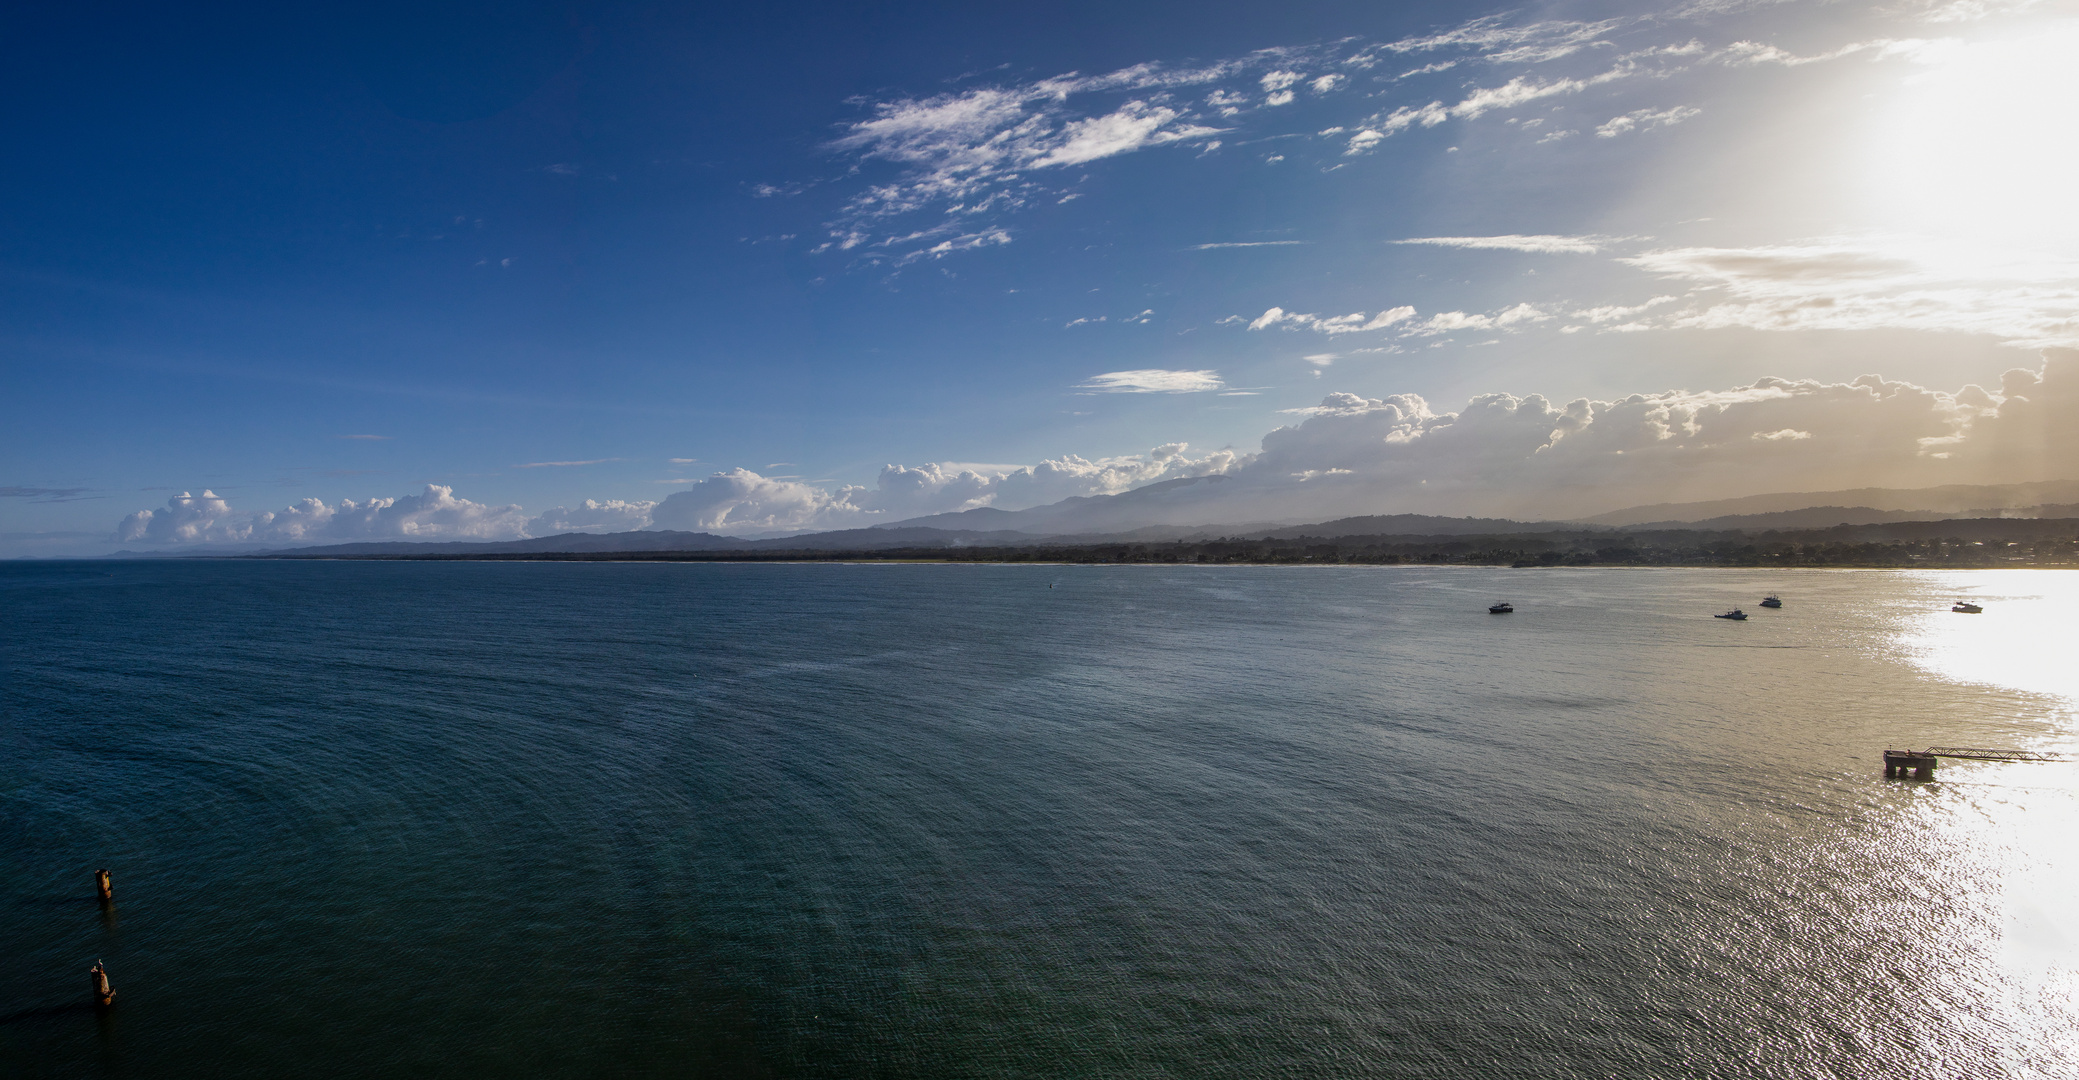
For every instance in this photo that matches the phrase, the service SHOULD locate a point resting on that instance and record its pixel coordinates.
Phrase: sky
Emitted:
(484, 271)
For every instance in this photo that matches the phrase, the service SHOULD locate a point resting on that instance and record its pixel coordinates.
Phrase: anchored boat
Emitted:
(1968, 608)
(1502, 608)
(1772, 601)
(1735, 614)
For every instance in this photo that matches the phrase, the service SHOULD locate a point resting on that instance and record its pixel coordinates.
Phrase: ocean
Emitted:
(829, 820)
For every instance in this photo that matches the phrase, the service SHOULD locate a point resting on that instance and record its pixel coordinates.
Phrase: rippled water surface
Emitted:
(586, 820)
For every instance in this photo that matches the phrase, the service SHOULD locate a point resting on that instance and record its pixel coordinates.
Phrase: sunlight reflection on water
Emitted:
(2011, 824)
(2022, 641)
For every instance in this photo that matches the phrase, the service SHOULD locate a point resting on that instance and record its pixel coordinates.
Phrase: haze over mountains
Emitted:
(1136, 516)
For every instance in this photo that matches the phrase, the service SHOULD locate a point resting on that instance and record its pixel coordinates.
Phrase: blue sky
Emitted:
(537, 255)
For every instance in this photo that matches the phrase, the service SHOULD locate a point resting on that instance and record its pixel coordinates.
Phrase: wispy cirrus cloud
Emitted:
(1541, 244)
(938, 175)
(1870, 283)
(46, 494)
(1828, 283)
(564, 464)
(1152, 381)
(1494, 37)
(979, 153)
(1645, 120)
(1402, 321)
(1752, 53)
(1354, 322)
(1247, 244)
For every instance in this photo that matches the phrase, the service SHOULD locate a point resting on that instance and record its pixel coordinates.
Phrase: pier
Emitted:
(1922, 762)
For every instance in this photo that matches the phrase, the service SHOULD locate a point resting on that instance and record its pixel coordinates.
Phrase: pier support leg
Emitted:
(103, 887)
(1890, 771)
(1925, 772)
(103, 995)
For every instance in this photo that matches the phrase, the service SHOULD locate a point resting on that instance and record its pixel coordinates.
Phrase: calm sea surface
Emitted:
(484, 820)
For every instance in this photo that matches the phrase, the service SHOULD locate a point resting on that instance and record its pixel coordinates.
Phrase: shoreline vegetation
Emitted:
(1951, 544)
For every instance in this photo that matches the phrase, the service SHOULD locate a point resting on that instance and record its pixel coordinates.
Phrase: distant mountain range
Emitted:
(1123, 519)
(2049, 499)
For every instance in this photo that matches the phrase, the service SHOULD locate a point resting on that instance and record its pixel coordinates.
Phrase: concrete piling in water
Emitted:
(98, 977)
(1899, 763)
(104, 887)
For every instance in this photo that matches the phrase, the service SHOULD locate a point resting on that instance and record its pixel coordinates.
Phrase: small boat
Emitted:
(1967, 608)
(1502, 608)
(1772, 601)
(1735, 614)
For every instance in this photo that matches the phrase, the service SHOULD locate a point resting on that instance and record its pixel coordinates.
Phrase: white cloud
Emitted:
(1153, 381)
(1443, 322)
(1517, 91)
(969, 153)
(1609, 313)
(741, 501)
(1247, 244)
(1501, 455)
(1872, 283)
(1750, 53)
(988, 150)
(969, 157)
(613, 515)
(1527, 457)
(434, 514)
(1355, 322)
(1953, 11)
(1644, 120)
(1540, 244)
(1492, 36)
(564, 464)
(1135, 125)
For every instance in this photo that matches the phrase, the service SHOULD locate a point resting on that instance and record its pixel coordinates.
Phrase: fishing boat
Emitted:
(1772, 600)
(1967, 608)
(1502, 608)
(1735, 614)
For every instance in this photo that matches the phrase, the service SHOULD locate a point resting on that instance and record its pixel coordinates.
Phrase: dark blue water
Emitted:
(625, 820)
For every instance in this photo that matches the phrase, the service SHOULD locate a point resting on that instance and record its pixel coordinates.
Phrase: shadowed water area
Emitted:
(481, 820)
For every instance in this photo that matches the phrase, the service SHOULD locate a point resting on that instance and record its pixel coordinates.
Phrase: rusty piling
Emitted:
(97, 976)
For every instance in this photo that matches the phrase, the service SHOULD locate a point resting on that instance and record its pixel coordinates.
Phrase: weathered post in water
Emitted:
(103, 886)
(103, 995)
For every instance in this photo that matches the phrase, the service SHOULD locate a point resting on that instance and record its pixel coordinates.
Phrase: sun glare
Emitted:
(2021, 640)
(1979, 145)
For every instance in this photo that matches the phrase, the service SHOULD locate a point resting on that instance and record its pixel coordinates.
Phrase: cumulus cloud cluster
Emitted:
(736, 501)
(433, 514)
(743, 501)
(1504, 455)
(1500, 455)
